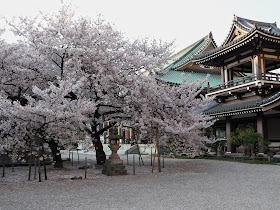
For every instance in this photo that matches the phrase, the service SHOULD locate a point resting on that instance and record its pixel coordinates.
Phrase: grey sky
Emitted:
(184, 21)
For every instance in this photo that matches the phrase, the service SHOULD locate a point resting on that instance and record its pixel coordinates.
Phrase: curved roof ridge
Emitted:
(241, 20)
(248, 25)
(187, 54)
(211, 38)
(199, 71)
(193, 44)
(183, 50)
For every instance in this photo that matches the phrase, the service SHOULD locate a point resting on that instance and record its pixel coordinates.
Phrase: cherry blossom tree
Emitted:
(175, 109)
(67, 74)
(48, 115)
(59, 46)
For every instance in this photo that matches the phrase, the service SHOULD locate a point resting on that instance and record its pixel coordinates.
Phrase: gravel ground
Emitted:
(182, 184)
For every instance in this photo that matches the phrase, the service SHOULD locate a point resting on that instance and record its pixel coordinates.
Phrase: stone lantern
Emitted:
(114, 165)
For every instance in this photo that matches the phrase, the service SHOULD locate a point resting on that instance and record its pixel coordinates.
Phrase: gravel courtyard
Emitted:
(182, 184)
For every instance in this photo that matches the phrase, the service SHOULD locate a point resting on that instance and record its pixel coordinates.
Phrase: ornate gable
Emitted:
(242, 26)
(235, 34)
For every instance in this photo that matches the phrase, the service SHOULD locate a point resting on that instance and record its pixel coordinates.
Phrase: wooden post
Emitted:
(163, 160)
(138, 150)
(35, 167)
(13, 166)
(127, 157)
(133, 165)
(4, 163)
(39, 165)
(139, 155)
(85, 167)
(157, 144)
(154, 159)
(39, 169)
(78, 156)
(72, 158)
(30, 164)
(151, 156)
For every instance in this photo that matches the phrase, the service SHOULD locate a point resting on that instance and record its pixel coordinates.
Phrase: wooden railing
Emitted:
(271, 77)
(267, 77)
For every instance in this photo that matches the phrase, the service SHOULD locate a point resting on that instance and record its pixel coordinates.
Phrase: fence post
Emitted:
(85, 167)
(30, 165)
(127, 157)
(133, 165)
(35, 167)
(163, 160)
(78, 156)
(39, 169)
(72, 158)
(4, 163)
(151, 156)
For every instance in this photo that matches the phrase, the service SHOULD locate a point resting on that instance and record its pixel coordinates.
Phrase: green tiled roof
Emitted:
(171, 75)
(175, 77)
(185, 55)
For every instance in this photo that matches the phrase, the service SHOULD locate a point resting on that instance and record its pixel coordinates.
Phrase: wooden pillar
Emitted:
(222, 75)
(253, 66)
(230, 75)
(108, 133)
(228, 130)
(132, 135)
(260, 129)
(262, 64)
(119, 130)
(256, 67)
(214, 131)
(104, 135)
(225, 74)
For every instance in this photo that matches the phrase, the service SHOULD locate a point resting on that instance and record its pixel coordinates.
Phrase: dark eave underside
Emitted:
(220, 109)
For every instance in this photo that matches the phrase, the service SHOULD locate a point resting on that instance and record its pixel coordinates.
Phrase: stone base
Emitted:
(110, 169)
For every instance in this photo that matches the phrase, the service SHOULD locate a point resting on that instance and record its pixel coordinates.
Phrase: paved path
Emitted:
(182, 184)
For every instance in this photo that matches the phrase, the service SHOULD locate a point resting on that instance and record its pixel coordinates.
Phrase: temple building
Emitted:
(248, 94)
(181, 62)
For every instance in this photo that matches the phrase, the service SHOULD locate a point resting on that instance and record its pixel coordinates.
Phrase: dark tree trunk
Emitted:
(30, 163)
(44, 163)
(56, 154)
(100, 154)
